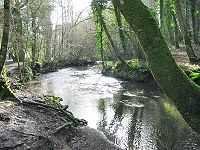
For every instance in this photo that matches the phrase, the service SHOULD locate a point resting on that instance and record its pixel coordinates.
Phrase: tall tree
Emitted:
(99, 6)
(120, 26)
(173, 81)
(4, 90)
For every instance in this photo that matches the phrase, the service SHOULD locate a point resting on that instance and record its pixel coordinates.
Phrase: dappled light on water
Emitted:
(133, 116)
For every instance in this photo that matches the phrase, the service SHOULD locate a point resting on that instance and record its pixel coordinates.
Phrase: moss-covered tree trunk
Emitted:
(120, 27)
(4, 90)
(174, 82)
(99, 35)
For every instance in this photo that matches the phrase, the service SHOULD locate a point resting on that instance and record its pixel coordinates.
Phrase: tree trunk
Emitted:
(5, 37)
(4, 90)
(120, 27)
(101, 46)
(184, 30)
(194, 6)
(18, 38)
(109, 36)
(161, 13)
(173, 81)
(19, 33)
(34, 38)
(176, 32)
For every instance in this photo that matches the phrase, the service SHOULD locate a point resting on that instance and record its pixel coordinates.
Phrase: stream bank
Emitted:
(131, 115)
(138, 71)
(35, 127)
(53, 66)
(42, 123)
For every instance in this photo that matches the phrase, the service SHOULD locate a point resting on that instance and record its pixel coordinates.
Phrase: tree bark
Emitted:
(174, 82)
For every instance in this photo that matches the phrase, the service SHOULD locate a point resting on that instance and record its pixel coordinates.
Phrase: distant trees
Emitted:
(35, 39)
(113, 34)
(179, 22)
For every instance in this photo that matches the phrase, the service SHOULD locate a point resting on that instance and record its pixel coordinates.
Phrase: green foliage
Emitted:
(53, 101)
(99, 4)
(4, 74)
(134, 70)
(132, 66)
(194, 76)
(27, 72)
(102, 105)
(192, 71)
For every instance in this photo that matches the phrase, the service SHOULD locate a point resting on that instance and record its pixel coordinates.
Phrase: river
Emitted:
(135, 116)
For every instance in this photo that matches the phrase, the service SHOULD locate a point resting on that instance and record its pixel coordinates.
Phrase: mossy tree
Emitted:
(98, 7)
(120, 27)
(174, 82)
(4, 90)
(99, 28)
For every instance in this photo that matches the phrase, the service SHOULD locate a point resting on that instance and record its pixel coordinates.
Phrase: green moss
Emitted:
(53, 101)
(4, 74)
(5, 85)
(27, 72)
(192, 71)
(133, 70)
(101, 105)
(139, 70)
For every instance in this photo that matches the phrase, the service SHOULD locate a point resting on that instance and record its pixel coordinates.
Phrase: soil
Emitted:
(24, 126)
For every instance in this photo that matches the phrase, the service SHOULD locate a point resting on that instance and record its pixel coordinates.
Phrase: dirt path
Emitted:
(12, 67)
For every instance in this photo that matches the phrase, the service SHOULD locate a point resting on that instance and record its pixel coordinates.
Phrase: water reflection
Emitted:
(134, 116)
(126, 125)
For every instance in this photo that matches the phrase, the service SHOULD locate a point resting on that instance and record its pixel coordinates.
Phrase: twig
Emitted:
(62, 127)
(24, 133)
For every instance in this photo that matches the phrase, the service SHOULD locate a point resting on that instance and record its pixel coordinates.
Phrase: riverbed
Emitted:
(135, 116)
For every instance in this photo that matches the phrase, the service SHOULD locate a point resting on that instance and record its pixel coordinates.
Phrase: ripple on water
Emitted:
(130, 117)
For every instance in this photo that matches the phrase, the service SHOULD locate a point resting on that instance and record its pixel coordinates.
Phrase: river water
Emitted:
(135, 116)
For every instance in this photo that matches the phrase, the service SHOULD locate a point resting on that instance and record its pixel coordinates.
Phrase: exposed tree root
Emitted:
(67, 115)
